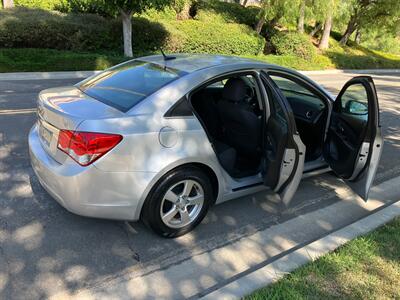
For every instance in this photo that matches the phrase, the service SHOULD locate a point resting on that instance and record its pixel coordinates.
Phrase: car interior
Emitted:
(310, 113)
(231, 113)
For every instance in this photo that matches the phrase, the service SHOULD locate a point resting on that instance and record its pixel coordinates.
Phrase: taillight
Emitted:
(86, 147)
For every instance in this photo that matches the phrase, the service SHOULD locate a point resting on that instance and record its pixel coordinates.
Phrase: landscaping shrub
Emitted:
(148, 36)
(217, 37)
(292, 43)
(35, 28)
(43, 4)
(230, 12)
(84, 7)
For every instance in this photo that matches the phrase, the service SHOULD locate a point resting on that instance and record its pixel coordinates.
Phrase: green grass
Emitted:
(337, 57)
(365, 268)
(35, 60)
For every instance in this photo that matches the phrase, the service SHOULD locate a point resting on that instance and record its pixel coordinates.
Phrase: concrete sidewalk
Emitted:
(242, 266)
(85, 74)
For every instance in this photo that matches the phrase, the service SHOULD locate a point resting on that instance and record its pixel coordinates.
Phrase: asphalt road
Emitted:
(44, 249)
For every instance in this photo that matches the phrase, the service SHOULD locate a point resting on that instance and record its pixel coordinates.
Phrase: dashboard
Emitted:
(305, 107)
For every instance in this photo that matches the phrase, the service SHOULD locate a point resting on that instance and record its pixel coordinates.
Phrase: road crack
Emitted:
(135, 256)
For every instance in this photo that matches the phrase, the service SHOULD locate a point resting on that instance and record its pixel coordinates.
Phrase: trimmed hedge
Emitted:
(43, 4)
(35, 28)
(292, 43)
(200, 37)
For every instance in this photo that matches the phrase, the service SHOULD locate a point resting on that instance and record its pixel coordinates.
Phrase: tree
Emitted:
(8, 3)
(317, 29)
(272, 11)
(300, 22)
(324, 42)
(182, 8)
(357, 38)
(371, 13)
(261, 20)
(125, 9)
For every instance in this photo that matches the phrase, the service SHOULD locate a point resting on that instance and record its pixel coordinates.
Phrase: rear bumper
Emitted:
(88, 191)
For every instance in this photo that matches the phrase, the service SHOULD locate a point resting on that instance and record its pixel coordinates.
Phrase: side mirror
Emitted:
(354, 107)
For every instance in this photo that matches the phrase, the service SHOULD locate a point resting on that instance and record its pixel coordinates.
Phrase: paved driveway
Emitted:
(44, 249)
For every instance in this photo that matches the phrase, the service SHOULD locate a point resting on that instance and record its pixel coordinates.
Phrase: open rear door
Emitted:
(354, 140)
(284, 152)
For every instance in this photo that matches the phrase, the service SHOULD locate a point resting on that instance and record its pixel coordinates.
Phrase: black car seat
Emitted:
(241, 126)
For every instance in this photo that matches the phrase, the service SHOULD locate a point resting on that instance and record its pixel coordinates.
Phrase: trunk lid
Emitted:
(66, 108)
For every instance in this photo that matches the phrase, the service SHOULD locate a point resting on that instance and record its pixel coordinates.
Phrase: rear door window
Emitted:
(124, 86)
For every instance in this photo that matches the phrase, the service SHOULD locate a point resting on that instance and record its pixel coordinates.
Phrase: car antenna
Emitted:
(166, 57)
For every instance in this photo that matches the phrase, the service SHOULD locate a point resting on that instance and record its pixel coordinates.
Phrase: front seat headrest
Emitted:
(234, 90)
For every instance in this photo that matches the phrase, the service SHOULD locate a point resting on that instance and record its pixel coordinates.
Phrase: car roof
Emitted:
(193, 62)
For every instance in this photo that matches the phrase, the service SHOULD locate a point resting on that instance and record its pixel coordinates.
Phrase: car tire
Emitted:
(171, 213)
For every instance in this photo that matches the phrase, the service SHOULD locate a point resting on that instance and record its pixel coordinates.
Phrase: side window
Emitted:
(180, 109)
(277, 108)
(296, 92)
(354, 101)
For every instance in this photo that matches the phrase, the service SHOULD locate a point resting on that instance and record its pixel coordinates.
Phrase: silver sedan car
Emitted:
(163, 138)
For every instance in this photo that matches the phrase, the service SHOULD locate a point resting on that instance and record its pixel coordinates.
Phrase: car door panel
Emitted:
(354, 142)
(276, 140)
(284, 152)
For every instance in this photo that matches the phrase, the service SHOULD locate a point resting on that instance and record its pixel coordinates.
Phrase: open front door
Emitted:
(354, 140)
(284, 152)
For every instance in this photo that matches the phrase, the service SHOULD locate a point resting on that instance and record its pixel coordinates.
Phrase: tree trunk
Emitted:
(324, 43)
(8, 3)
(351, 27)
(127, 32)
(244, 3)
(300, 22)
(184, 14)
(260, 22)
(316, 29)
(357, 38)
(274, 21)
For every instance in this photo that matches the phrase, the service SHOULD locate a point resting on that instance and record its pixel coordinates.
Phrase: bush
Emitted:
(148, 36)
(36, 28)
(84, 7)
(230, 12)
(43, 4)
(292, 43)
(193, 36)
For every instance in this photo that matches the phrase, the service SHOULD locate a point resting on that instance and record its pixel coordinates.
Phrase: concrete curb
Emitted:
(286, 264)
(85, 74)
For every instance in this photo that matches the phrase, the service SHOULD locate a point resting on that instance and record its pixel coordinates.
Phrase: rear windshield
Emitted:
(126, 85)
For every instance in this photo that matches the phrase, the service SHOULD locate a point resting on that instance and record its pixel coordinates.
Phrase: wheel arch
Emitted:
(209, 171)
